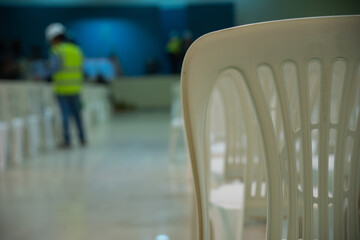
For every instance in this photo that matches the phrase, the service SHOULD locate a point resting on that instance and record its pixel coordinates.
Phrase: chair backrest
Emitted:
(302, 81)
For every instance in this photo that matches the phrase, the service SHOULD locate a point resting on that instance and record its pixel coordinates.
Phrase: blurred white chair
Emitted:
(16, 104)
(294, 75)
(96, 109)
(237, 168)
(26, 99)
(32, 135)
(48, 128)
(237, 185)
(46, 103)
(17, 140)
(176, 122)
(3, 146)
(100, 112)
(4, 115)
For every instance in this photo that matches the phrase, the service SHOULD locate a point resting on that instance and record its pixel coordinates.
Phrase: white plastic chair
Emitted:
(176, 122)
(4, 115)
(3, 146)
(33, 135)
(48, 128)
(16, 106)
(301, 78)
(17, 140)
(49, 117)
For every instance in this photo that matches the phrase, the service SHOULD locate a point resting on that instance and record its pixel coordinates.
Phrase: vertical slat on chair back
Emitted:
(302, 77)
(344, 139)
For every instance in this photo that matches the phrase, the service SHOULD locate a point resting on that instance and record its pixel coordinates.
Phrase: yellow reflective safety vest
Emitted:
(68, 79)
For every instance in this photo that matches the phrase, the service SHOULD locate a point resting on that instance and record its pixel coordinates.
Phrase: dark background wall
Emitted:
(139, 32)
(202, 20)
(252, 11)
(133, 33)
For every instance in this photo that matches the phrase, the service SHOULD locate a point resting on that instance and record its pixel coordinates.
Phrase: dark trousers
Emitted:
(70, 106)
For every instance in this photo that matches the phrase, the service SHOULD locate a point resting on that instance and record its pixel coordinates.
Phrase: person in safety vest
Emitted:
(173, 49)
(65, 65)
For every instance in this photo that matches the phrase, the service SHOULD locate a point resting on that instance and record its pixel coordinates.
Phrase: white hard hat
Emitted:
(54, 30)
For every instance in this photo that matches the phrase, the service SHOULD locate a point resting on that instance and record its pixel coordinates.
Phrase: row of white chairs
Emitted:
(30, 120)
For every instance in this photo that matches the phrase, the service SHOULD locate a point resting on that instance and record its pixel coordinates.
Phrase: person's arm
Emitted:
(54, 64)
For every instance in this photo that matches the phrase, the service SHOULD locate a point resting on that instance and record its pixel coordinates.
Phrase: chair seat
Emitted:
(229, 196)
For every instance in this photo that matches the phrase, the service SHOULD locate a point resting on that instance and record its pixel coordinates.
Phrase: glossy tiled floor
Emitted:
(122, 186)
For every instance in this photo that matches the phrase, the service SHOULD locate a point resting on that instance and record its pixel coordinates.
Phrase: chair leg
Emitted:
(17, 138)
(3, 147)
(32, 138)
(48, 130)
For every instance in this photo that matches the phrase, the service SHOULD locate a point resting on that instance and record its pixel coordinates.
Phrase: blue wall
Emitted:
(132, 42)
(135, 34)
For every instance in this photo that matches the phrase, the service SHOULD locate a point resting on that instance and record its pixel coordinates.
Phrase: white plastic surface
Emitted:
(301, 80)
(3, 145)
(48, 129)
(33, 135)
(176, 136)
(228, 196)
(17, 140)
